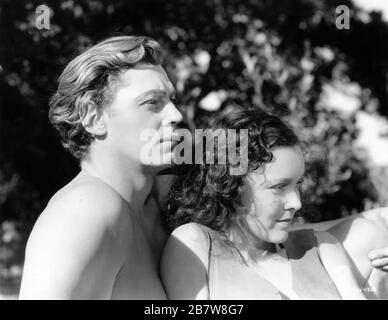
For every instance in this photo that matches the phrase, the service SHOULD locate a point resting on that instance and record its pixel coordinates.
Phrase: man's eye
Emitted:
(153, 104)
(279, 186)
(300, 186)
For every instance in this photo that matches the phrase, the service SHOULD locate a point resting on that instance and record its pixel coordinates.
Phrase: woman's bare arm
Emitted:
(379, 216)
(359, 237)
(338, 266)
(365, 239)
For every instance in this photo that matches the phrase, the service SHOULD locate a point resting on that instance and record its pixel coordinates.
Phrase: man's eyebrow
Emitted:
(157, 92)
(151, 92)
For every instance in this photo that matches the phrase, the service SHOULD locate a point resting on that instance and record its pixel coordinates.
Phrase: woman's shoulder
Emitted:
(192, 233)
(192, 236)
(201, 240)
(192, 229)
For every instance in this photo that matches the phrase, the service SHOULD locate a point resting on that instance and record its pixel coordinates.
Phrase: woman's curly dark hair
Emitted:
(209, 194)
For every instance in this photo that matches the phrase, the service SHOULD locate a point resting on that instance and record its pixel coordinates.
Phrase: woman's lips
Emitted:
(284, 222)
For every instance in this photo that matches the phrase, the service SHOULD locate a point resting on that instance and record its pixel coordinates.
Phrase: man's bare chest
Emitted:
(139, 276)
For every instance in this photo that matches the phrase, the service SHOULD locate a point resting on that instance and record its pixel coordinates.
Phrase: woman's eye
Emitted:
(153, 102)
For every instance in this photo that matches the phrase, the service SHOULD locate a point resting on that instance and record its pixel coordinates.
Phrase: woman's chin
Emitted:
(279, 236)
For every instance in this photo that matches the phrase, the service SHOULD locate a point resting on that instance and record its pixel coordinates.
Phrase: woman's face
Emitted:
(272, 195)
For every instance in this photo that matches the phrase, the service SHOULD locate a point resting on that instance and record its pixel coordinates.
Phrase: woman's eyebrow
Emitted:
(283, 181)
(278, 181)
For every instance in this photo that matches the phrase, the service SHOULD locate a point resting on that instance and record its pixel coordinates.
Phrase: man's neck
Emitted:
(131, 180)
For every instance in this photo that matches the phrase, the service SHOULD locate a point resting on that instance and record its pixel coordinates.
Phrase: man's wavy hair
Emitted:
(93, 77)
(208, 194)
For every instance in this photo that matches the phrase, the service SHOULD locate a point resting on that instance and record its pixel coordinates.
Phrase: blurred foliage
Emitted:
(13, 237)
(276, 55)
(279, 55)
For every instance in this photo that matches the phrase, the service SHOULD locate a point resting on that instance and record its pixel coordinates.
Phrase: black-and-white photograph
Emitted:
(194, 150)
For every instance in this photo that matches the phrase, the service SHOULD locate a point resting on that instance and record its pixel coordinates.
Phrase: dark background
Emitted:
(278, 55)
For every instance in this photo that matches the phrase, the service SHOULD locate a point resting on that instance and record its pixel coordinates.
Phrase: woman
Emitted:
(232, 238)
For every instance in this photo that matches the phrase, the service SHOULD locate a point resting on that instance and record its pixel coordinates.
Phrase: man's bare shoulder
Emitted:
(85, 208)
(81, 235)
(90, 194)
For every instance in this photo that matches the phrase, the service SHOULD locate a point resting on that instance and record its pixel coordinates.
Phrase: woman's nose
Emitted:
(293, 201)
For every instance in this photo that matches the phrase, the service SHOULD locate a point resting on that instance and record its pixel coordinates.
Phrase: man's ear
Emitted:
(94, 121)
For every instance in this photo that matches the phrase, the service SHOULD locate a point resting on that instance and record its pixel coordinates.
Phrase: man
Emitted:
(365, 239)
(101, 236)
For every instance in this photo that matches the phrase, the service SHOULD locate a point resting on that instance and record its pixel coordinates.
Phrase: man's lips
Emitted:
(171, 140)
(174, 137)
(284, 220)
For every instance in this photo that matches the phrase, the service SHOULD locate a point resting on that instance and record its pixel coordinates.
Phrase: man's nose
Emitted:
(172, 114)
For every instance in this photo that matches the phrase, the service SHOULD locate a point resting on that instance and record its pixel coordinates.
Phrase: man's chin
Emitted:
(165, 166)
(158, 166)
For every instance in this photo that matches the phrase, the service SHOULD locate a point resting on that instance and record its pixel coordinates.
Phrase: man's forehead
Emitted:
(146, 77)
